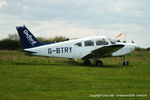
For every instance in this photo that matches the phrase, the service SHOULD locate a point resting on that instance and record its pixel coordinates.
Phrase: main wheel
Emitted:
(125, 63)
(87, 62)
(99, 63)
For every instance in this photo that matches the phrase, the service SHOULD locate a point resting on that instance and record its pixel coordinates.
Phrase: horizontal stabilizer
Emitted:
(29, 51)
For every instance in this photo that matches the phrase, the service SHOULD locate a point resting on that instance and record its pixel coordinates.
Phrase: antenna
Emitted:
(125, 36)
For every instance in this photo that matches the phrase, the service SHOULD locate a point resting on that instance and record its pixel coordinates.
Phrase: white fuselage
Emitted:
(79, 48)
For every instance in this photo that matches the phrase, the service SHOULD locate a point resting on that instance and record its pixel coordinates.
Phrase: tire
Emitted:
(99, 63)
(87, 62)
(125, 63)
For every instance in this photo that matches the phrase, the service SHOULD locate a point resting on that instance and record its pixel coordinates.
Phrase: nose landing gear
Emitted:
(125, 63)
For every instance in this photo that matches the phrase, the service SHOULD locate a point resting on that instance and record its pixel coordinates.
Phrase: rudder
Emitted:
(28, 40)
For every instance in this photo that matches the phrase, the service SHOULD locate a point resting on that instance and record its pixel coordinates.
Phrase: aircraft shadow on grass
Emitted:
(69, 64)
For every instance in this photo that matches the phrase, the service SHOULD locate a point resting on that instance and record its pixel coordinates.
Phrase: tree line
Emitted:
(12, 42)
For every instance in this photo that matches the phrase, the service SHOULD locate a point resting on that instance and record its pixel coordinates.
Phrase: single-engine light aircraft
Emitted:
(86, 48)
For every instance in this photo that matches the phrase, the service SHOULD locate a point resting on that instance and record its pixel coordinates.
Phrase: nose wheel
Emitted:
(125, 63)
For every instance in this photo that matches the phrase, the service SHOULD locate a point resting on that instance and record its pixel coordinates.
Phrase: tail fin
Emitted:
(27, 38)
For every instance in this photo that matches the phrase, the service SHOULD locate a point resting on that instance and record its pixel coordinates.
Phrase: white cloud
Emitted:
(75, 19)
(76, 30)
(3, 3)
(22, 5)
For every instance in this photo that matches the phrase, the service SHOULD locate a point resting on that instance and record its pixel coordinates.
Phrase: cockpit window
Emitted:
(101, 42)
(112, 41)
(89, 43)
(79, 44)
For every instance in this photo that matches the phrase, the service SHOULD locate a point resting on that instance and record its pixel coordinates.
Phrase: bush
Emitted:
(51, 40)
(8, 44)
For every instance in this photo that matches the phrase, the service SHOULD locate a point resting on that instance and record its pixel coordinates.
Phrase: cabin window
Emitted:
(89, 43)
(101, 42)
(79, 44)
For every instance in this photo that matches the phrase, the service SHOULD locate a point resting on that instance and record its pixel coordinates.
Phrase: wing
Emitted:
(104, 51)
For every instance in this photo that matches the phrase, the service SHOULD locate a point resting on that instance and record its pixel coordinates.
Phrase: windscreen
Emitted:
(112, 41)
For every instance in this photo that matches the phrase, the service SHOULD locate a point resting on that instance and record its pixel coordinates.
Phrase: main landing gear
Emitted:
(125, 63)
(87, 62)
(97, 62)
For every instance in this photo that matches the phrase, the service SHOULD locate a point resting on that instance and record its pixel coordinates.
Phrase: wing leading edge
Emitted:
(104, 51)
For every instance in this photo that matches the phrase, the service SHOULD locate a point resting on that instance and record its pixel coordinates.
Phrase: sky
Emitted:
(78, 18)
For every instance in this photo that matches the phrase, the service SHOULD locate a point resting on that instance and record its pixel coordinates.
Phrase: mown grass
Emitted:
(37, 78)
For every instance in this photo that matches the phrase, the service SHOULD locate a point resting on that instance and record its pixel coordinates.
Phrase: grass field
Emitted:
(37, 78)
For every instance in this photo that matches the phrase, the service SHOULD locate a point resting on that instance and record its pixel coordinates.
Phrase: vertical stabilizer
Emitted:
(28, 40)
